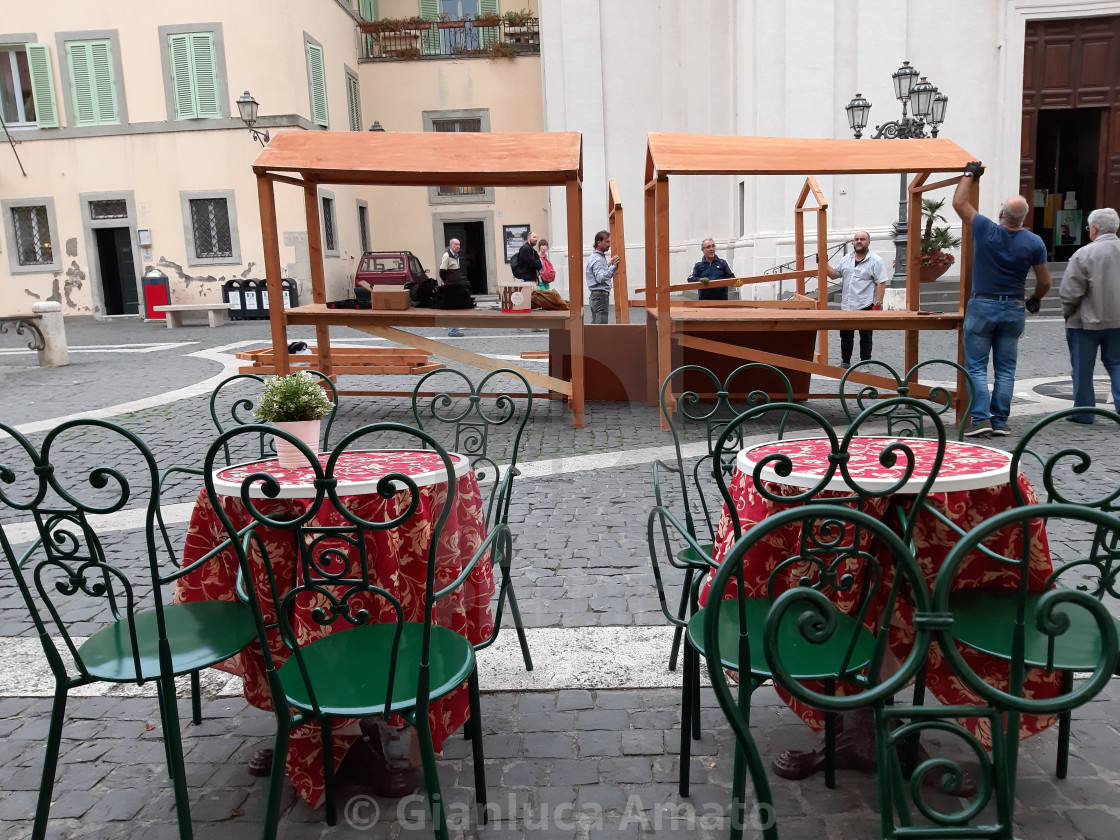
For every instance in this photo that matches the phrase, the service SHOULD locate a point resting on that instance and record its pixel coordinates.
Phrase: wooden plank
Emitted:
(833, 371)
(618, 244)
(769, 320)
(313, 313)
(535, 354)
(573, 196)
(664, 325)
(425, 158)
(711, 154)
(270, 236)
(792, 303)
(466, 357)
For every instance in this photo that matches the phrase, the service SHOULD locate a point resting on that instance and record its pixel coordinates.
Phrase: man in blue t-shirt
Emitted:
(996, 315)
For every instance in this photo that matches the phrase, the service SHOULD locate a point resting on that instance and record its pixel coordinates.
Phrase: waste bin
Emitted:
(291, 292)
(250, 292)
(232, 292)
(157, 292)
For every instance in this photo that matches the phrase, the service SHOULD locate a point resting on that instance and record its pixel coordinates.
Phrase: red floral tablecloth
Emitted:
(399, 566)
(974, 466)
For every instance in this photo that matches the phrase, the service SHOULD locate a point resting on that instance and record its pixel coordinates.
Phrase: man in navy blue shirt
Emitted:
(711, 268)
(996, 316)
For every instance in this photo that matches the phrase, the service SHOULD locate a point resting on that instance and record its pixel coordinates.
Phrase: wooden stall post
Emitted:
(573, 194)
(822, 275)
(266, 197)
(652, 383)
(318, 283)
(914, 264)
(618, 245)
(664, 323)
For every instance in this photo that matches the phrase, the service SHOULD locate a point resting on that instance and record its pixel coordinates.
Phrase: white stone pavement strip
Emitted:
(581, 657)
(108, 348)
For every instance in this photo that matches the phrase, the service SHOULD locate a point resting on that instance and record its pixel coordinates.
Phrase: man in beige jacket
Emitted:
(1090, 293)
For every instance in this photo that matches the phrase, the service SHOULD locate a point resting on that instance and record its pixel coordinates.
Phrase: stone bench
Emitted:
(46, 329)
(214, 312)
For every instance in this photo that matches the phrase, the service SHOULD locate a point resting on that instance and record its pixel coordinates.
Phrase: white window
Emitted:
(32, 234)
(27, 86)
(210, 226)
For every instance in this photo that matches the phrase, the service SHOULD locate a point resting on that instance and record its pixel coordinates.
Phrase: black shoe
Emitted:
(1000, 431)
(981, 429)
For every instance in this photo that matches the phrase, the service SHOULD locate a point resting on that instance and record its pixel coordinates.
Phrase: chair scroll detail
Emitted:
(473, 417)
(900, 419)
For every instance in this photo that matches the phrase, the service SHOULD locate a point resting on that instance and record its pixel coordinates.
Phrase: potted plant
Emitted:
(447, 22)
(382, 26)
(502, 49)
(297, 404)
(417, 23)
(936, 241)
(488, 19)
(516, 20)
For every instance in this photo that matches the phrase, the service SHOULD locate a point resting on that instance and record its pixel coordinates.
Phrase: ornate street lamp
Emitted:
(247, 106)
(926, 106)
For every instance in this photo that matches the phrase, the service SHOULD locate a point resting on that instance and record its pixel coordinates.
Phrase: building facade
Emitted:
(128, 155)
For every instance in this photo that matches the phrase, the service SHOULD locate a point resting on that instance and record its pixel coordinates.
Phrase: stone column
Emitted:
(54, 352)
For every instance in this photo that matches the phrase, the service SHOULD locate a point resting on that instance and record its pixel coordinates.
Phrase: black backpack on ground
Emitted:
(423, 293)
(455, 296)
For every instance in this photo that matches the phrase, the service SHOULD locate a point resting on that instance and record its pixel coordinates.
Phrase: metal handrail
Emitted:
(789, 266)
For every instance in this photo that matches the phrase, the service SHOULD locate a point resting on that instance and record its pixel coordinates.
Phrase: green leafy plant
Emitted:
(418, 22)
(503, 49)
(377, 27)
(487, 20)
(520, 18)
(291, 399)
(936, 241)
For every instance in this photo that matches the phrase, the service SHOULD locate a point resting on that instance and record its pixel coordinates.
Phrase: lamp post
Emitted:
(926, 108)
(247, 107)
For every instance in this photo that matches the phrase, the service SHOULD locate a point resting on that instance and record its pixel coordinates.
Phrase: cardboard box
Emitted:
(389, 297)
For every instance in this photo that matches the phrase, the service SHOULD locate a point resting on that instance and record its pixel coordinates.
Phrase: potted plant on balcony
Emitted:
(517, 21)
(487, 19)
(382, 26)
(447, 22)
(937, 242)
(297, 404)
(416, 23)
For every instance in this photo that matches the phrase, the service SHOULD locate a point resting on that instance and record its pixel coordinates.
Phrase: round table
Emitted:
(972, 485)
(398, 562)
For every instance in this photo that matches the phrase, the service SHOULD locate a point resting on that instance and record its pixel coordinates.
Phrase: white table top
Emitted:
(966, 466)
(357, 473)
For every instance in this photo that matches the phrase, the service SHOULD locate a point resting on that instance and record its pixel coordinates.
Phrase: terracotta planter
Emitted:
(451, 24)
(307, 431)
(929, 273)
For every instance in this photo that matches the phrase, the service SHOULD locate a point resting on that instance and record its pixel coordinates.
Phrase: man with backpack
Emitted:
(526, 263)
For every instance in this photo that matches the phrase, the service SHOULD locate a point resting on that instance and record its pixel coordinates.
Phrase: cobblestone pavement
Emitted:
(572, 750)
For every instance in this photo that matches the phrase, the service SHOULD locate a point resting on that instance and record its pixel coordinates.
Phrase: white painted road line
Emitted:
(608, 658)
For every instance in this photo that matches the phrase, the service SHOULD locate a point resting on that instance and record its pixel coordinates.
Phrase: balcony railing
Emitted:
(455, 39)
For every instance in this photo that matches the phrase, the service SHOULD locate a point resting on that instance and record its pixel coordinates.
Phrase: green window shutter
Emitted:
(205, 74)
(353, 103)
(42, 85)
(104, 83)
(369, 10)
(490, 34)
(91, 82)
(317, 84)
(429, 38)
(487, 7)
(179, 52)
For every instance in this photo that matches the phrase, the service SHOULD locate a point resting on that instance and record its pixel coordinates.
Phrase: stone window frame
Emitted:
(6, 207)
(230, 196)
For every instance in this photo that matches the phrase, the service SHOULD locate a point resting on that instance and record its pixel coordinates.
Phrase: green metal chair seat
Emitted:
(690, 555)
(350, 669)
(986, 622)
(199, 634)
(805, 660)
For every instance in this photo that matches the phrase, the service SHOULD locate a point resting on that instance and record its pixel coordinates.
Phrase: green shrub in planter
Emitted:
(292, 398)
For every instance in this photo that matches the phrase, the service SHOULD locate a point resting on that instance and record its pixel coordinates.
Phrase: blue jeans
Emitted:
(993, 327)
(1083, 346)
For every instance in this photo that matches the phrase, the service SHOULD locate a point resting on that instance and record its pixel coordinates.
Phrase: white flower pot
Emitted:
(307, 431)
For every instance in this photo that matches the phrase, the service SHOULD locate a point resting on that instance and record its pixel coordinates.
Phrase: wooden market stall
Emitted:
(309, 159)
(682, 323)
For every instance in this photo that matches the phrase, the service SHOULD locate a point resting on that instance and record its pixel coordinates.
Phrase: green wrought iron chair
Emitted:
(800, 637)
(234, 396)
(1066, 629)
(902, 420)
(1069, 476)
(366, 669)
(853, 494)
(74, 585)
(709, 412)
(487, 426)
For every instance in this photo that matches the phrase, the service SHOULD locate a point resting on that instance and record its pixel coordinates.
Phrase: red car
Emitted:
(389, 268)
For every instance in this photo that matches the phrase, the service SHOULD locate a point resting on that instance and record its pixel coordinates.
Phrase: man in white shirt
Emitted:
(449, 272)
(865, 282)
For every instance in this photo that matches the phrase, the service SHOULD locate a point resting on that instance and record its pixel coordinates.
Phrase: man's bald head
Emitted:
(1013, 212)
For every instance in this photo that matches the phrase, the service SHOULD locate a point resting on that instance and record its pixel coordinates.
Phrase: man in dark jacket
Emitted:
(529, 260)
(711, 268)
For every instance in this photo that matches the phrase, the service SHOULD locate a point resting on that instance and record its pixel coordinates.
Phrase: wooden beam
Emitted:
(618, 245)
(269, 234)
(573, 195)
(664, 326)
(466, 357)
(937, 185)
(318, 280)
(752, 355)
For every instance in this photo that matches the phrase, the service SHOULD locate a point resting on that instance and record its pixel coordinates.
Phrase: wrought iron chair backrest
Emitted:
(228, 398)
(333, 578)
(713, 411)
(901, 419)
(67, 560)
(471, 414)
(845, 559)
(897, 455)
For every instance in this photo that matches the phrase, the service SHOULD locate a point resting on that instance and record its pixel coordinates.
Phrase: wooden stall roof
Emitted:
(425, 158)
(712, 154)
